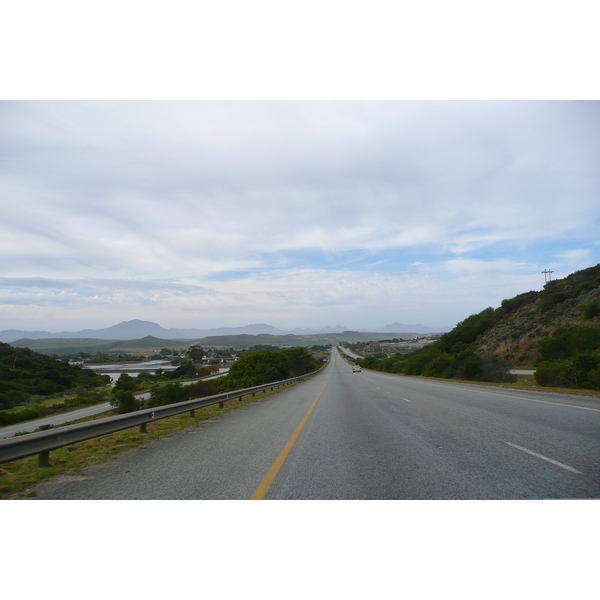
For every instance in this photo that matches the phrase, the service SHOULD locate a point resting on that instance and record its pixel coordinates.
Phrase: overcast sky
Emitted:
(296, 214)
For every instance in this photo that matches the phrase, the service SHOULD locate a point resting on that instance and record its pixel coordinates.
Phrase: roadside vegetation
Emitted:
(559, 327)
(265, 366)
(570, 358)
(453, 356)
(25, 373)
(34, 385)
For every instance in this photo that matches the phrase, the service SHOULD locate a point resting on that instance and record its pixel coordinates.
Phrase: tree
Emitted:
(124, 401)
(196, 353)
(125, 383)
(266, 366)
(186, 368)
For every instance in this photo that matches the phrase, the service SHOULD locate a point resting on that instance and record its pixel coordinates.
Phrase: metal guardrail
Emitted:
(43, 442)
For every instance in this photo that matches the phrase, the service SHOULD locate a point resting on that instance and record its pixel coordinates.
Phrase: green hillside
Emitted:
(556, 330)
(521, 323)
(63, 345)
(24, 373)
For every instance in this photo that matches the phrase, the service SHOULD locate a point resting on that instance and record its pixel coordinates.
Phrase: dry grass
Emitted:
(19, 478)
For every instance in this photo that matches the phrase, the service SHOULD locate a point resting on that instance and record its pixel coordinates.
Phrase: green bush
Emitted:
(511, 305)
(185, 369)
(266, 366)
(11, 418)
(86, 399)
(496, 370)
(124, 401)
(579, 371)
(470, 329)
(170, 393)
(592, 309)
(125, 383)
(31, 373)
(566, 342)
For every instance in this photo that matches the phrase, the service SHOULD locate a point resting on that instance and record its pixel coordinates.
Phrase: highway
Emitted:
(369, 435)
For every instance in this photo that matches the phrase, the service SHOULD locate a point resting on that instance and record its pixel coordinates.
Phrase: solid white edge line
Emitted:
(525, 399)
(406, 399)
(541, 401)
(554, 462)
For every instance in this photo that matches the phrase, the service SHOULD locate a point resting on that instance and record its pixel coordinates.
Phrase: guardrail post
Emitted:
(192, 413)
(240, 398)
(44, 459)
(253, 394)
(221, 404)
(143, 428)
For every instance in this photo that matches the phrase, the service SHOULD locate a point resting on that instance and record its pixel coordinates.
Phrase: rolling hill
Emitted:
(557, 330)
(528, 319)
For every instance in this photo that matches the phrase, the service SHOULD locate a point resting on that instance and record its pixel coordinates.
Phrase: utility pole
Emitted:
(547, 273)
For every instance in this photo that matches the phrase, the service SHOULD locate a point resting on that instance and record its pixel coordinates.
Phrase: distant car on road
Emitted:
(356, 369)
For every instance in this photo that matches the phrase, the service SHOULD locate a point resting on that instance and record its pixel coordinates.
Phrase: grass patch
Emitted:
(19, 478)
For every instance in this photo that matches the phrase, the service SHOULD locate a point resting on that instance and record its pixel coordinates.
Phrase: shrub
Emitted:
(552, 373)
(124, 402)
(496, 370)
(579, 371)
(11, 418)
(470, 329)
(257, 368)
(566, 342)
(170, 393)
(593, 379)
(591, 309)
(125, 383)
(511, 305)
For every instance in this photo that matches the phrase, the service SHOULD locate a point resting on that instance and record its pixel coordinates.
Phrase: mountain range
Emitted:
(138, 329)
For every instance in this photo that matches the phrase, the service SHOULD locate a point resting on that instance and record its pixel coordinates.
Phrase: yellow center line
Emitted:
(263, 487)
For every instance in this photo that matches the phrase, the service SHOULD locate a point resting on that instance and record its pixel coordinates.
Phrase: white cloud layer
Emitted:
(208, 214)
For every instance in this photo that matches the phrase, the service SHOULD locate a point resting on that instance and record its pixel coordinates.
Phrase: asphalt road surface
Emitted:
(369, 435)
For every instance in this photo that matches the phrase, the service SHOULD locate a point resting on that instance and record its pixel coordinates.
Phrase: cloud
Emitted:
(337, 206)
(576, 259)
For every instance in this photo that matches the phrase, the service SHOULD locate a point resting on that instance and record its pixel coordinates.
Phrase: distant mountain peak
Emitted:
(403, 328)
(139, 328)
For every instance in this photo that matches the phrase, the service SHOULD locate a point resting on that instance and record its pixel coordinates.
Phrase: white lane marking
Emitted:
(469, 389)
(529, 399)
(405, 399)
(554, 462)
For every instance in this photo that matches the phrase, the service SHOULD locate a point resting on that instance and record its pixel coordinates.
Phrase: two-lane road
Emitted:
(369, 435)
